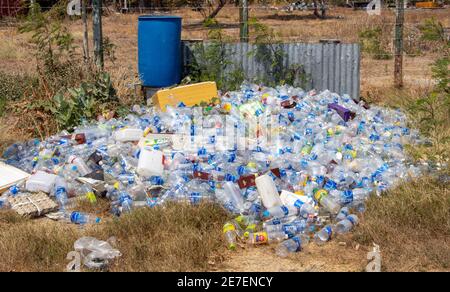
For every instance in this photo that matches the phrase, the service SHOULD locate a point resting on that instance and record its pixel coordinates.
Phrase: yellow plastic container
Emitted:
(189, 95)
(428, 4)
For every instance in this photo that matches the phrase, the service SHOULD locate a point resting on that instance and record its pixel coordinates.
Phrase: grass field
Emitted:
(411, 223)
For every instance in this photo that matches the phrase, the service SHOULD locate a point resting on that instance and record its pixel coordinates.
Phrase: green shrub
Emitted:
(212, 63)
(80, 103)
(370, 40)
(13, 87)
(432, 30)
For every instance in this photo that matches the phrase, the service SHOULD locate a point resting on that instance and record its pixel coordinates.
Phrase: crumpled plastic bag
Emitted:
(96, 254)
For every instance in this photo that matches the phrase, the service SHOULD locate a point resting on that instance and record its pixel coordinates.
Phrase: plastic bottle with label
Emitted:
(280, 212)
(292, 245)
(234, 194)
(82, 167)
(324, 235)
(83, 218)
(264, 237)
(347, 224)
(60, 192)
(327, 202)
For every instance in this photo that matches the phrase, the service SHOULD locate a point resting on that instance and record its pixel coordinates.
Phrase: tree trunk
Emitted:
(218, 8)
(85, 32)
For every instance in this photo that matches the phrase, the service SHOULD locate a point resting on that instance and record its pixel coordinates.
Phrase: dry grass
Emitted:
(411, 223)
(175, 238)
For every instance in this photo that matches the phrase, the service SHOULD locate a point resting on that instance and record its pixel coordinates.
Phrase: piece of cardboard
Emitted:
(32, 205)
(9, 176)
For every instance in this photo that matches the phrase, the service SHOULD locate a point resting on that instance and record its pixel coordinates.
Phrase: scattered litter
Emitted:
(293, 166)
(96, 254)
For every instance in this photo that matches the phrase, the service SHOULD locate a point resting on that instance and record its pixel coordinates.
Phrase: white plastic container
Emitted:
(291, 199)
(128, 135)
(268, 191)
(150, 163)
(41, 182)
(82, 167)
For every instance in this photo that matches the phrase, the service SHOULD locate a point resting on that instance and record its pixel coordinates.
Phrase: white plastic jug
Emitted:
(41, 182)
(150, 163)
(268, 191)
(128, 135)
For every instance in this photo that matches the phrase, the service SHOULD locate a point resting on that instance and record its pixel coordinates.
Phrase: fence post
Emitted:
(85, 32)
(98, 37)
(243, 19)
(398, 43)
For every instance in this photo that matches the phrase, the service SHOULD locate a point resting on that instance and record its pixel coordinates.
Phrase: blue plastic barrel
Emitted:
(159, 50)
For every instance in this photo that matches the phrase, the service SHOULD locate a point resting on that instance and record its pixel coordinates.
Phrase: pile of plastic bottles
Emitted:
(330, 153)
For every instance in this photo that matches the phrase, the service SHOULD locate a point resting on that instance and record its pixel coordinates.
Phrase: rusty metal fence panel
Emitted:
(333, 66)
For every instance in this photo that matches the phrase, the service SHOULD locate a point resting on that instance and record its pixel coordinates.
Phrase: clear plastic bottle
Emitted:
(280, 212)
(60, 192)
(324, 235)
(229, 232)
(82, 167)
(327, 202)
(83, 218)
(292, 245)
(264, 237)
(347, 224)
(343, 213)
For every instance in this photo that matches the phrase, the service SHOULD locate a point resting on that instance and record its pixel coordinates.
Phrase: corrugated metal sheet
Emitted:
(332, 66)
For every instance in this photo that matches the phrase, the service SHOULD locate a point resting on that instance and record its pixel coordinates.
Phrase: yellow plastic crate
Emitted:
(189, 95)
(428, 4)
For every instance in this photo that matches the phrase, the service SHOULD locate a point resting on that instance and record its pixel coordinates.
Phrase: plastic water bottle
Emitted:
(60, 192)
(12, 191)
(291, 229)
(280, 212)
(87, 192)
(126, 202)
(324, 234)
(82, 167)
(343, 213)
(229, 232)
(4, 204)
(264, 237)
(83, 219)
(234, 194)
(327, 202)
(292, 245)
(347, 224)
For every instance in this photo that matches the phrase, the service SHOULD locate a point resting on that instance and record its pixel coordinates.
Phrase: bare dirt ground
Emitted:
(332, 257)
(342, 24)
